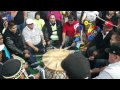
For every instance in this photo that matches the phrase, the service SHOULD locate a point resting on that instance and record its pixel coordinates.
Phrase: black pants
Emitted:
(40, 47)
(55, 43)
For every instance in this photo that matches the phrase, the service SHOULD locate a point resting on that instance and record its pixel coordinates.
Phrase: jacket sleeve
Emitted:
(11, 45)
(59, 26)
(45, 33)
(23, 40)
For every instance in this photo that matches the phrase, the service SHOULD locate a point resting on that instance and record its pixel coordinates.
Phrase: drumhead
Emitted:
(53, 58)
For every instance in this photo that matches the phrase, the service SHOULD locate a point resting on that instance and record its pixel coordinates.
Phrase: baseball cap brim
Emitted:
(107, 50)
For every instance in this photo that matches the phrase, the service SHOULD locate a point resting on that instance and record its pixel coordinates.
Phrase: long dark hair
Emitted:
(37, 13)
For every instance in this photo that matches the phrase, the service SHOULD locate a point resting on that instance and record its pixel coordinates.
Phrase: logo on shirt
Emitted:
(76, 25)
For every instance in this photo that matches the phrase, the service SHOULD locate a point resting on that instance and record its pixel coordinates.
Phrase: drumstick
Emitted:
(104, 20)
(47, 64)
(53, 47)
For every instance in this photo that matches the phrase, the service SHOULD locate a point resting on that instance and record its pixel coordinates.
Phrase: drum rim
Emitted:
(60, 62)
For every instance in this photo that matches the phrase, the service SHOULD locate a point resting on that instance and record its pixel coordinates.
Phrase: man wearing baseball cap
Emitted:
(112, 71)
(33, 37)
(102, 40)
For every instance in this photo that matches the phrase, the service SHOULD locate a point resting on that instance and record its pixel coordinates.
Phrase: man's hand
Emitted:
(26, 53)
(37, 76)
(66, 48)
(44, 42)
(91, 58)
(61, 47)
(36, 49)
(25, 66)
(48, 43)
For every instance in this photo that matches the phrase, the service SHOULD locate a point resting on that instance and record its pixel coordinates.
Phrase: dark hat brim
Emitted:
(11, 67)
(107, 50)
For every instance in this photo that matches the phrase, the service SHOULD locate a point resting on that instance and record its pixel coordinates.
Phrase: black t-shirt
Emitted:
(19, 18)
(43, 15)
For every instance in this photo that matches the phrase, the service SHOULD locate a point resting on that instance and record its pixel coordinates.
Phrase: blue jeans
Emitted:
(31, 61)
(21, 26)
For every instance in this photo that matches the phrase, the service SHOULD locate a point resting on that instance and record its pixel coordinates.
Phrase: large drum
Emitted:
(52, 63)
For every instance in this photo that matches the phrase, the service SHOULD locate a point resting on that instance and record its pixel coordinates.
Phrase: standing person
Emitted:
(5, 25)
(43, 15)
(57, 14)
(111, 16)
(112, 71)
(34, 37)
(108, 16)
(74, 13)
(79, 15)
(19, 17)
(90, 16)
(38, 21)
(31, 14)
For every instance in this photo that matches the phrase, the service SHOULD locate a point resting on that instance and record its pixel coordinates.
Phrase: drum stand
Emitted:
(42, 73)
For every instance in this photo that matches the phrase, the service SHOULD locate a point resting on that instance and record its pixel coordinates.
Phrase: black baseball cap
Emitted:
(114, 49)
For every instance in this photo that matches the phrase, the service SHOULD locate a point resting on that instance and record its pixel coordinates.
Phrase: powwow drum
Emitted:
(52, 63)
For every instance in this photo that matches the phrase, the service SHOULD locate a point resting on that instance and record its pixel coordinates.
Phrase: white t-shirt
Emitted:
(79, 14)
(34, 35)
(31, 14)
(112, 71)
(91, 15)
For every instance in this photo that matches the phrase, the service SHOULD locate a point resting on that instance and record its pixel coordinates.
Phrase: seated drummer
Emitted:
(52, 31)
(69, 29)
